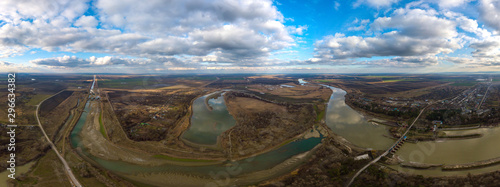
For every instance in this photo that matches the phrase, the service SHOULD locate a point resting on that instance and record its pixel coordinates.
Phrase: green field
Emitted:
(181, 159)
(37, 99)
(101, 127)
(324, 80)
(469, 84)
(320, 114)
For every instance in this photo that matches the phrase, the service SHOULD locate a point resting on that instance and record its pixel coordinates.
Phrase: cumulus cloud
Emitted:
(237, 31)
(489, 10)
(10, 47)
(86, 21)
(359, 25)
(413, 61)
(299, 30)
(73, 61)
(451, 3)
(60, 11)
(3, 63)
(407, 33)
(487, 48)
(65, 61)
(474, 62)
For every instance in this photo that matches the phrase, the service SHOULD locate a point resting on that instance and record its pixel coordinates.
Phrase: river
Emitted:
(265, 161)
(351, 125)
(342, 120)
(453, 152)
(208, 122)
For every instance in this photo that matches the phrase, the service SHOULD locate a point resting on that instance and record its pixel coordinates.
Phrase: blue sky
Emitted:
(250, 36)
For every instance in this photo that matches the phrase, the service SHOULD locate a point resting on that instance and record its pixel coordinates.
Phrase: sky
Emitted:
(249, 36)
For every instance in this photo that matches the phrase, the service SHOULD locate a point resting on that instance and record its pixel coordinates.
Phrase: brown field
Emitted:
(385, 88)
(296, 92)
(61, 105)
(146, 115)
(261, 125)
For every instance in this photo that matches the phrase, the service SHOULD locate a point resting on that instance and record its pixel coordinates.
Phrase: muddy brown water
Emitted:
(342, 119)
(206, 125)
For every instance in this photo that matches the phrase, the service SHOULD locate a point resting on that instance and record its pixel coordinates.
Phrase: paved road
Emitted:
(387, 151)
(484, 97)
(67, 169)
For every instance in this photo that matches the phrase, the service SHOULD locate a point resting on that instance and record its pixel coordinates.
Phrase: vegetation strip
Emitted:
(482, 163)
(182, 159)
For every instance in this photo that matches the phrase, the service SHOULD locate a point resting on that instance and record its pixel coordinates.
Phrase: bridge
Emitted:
(391, 150)
(93, 95)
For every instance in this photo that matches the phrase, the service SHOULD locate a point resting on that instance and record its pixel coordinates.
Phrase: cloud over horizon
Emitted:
(195, 34)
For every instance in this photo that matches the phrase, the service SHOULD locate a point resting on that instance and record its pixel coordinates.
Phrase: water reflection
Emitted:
(206, 124)
(351, 125)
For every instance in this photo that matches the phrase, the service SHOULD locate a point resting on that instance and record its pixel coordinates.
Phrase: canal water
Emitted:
(454, 152)
(208, 122)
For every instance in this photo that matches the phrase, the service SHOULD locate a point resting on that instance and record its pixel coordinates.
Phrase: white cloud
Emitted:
(474, 62)
(336, 5)
(451, 3)
(65, 61)
(417, 23)
(86, 21)
(236, 31)
(408, 32)
(413, 61)
(73, 61)
(299, 30)
(360, 25)
(489, 11)
(487, 48)
(470, 25)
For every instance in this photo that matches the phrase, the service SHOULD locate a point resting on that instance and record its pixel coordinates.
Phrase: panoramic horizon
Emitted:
(278, 37)
(215, 93)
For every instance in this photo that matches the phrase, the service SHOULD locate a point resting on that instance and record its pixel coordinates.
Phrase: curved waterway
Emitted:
(343, 121)
(208, 122)
(258, 163)
(351, 125)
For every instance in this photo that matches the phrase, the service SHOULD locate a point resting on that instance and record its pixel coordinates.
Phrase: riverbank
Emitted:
(477, 164)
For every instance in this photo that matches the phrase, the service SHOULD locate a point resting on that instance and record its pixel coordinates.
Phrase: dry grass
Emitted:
(296, 92)
(255, 105)
(180, 86)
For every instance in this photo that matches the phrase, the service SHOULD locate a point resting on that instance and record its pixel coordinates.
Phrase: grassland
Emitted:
(37, 99)
(321, 113)
(467, 84)
(101, 127)
(47, 172)
(181, 159)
